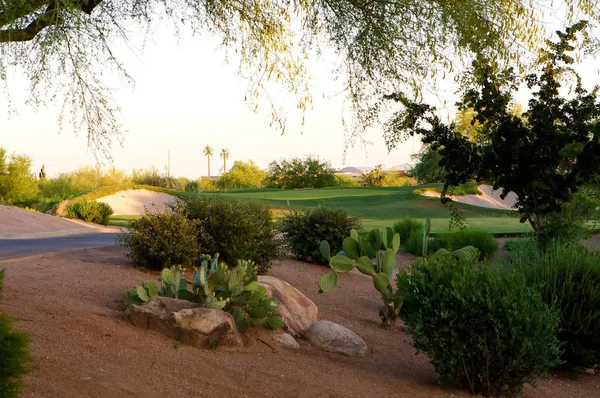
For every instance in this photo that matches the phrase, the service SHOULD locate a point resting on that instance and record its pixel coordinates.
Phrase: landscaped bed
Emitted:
(72, 304)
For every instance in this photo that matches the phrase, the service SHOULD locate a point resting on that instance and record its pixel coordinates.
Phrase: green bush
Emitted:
(414, 243)
(568, 277)
(161, 239)
(14, 358)
(342, 180)
(483, 330)
(480, 239)
(405, 227)
(304, 230)
(90, 211)
(14, 355)
(242, 175)
(236, 229)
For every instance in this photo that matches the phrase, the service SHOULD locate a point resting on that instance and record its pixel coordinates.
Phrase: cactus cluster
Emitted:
(216, 285)
(381, 246)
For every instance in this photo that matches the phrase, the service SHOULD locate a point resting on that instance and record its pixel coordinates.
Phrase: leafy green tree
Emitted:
(208, 152)
(18, 184)
(381, 44)
(545, 157)
(310, 172)
(373, 178)
(428, 168)
(242, 175)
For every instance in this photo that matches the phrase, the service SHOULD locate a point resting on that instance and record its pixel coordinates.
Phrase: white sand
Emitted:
(488, 198)
(134, 201)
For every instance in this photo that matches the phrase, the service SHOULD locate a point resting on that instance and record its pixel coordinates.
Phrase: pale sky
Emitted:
(185, 97)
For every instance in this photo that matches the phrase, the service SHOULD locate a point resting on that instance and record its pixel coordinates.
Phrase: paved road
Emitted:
(28, 247)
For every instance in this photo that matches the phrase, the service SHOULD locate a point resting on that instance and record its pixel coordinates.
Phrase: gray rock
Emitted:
(185, 321)
(286, 340)
(335, 338)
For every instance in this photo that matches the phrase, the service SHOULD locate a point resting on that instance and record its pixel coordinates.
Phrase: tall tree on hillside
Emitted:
(545, 156)
(208, 152)
(225, 156)
(63, 45)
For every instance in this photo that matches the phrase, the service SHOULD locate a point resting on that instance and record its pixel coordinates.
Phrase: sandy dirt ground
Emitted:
(72, 305)
(15, 221)
(488, 198)
(135, 201)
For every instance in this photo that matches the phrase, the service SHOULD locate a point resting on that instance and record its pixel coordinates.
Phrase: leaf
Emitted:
(354, 234)
(341, 264)
(327, 282)
(242, 325)
(141, 293)
(389, 261)
(365, 265)
(275, 322)
(396, 242)
(238, 314)
(351, 248)
(151, 288)
(325, 250)
(382, 284)
(375, 239)
(186, 295)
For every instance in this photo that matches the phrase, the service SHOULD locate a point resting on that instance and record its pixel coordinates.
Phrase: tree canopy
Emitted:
(63, 46)
(545, 156)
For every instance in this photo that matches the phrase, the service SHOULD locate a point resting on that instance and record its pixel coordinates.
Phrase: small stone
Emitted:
(286, 340)
(335, 338)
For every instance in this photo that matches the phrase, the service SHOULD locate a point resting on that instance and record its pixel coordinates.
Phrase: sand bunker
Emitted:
(16, 222)
(134, 201)
(488, 198)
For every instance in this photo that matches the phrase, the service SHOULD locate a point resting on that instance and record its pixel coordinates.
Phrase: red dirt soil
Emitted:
(72, 304)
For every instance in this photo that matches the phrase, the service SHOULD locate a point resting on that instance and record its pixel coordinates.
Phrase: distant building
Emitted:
(353, 172)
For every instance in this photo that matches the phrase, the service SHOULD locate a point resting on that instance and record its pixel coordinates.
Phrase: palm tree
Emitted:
(225, 156)
(208, 152)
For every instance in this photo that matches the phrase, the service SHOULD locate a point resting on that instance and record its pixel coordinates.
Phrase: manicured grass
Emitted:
(381, 206)
(121, 221)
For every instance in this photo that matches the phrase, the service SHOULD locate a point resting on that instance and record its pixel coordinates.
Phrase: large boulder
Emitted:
(297, 310)
(185, 321)
(335, 338)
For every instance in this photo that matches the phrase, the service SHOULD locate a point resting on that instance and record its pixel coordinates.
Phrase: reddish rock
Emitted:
(297, 310)
(185, 321)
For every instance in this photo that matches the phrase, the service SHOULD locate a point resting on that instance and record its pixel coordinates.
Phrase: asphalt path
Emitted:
(16, 248)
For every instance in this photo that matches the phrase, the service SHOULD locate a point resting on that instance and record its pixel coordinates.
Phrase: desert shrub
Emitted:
(304, 230)
(373, 178)
(512, 245)
(396, 179)
(342, 180)
(14, 358)
(483, 330)
(237, 230)
(191, 186)
(414, 243)
(160, 239)
(480, 239)
(405, 227)
(90, 211)
(568, 277)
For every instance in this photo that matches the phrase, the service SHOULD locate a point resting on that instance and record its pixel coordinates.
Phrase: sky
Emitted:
(186, 96)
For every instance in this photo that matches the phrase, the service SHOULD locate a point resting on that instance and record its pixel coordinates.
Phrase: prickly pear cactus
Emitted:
(384, 244)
